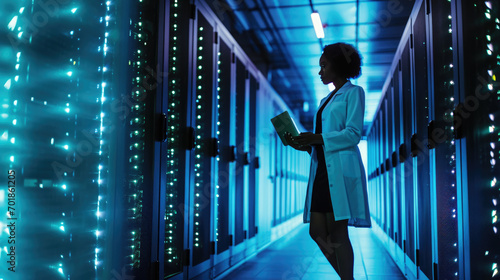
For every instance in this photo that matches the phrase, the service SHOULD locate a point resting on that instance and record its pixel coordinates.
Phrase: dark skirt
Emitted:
(321, 200)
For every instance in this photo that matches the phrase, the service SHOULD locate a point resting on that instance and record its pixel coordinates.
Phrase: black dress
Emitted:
(321, 201)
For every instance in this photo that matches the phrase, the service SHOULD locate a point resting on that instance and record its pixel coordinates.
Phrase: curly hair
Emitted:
(344, 58)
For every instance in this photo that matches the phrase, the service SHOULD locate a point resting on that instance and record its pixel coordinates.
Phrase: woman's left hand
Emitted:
(308, 138)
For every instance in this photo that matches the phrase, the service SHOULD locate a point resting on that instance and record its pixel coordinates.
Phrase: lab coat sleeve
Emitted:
(351, 134)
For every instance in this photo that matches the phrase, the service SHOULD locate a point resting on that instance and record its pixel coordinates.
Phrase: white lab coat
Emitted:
(342, 127)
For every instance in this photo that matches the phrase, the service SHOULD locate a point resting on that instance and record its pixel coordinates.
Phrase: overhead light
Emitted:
(318, 26)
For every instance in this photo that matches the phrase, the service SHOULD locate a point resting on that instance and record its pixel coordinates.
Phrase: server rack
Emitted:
(78, 128)
(475, 121)
(129, 159)
(442, 143)
(443, 88)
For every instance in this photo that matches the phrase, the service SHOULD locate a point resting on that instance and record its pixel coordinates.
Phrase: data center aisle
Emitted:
(296, 256)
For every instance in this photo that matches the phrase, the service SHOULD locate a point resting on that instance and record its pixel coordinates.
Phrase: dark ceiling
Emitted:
(279, 37)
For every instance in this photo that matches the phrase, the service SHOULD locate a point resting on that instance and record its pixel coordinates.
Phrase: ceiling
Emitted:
(279, 37)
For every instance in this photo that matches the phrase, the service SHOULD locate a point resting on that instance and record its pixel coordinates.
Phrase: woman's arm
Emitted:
(351, 134)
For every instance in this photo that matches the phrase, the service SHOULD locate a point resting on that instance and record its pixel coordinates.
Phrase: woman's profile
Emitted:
(336, 193)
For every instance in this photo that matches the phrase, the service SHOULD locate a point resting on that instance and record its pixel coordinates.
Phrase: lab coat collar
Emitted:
(343, 88)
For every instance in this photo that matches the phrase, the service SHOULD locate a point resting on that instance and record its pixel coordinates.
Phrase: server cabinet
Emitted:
(442, 143)
(383, 176)
(204, 166)
(286, 184)
(448, 136)
(277, 205)
(378, 181)
(133, 141)
(387, 165)
(395, 155)
(242, 158)
(227, 151)
(254, 157)
(180, 143)
(409, 241)
(78, 126)
(419, 144)
(397, 168)
(476, 126)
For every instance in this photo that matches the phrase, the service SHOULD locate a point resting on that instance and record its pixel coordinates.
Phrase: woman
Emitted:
(336, 192)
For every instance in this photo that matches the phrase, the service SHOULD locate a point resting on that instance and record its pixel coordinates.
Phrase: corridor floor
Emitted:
(296, 256)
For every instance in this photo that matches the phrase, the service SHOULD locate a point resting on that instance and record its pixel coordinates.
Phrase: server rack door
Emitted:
(407, 129)
(252, 169)
(387, 173)
(204, 166)
(371, 172)
(388, 167)
(377, 177)
(373, 185)
(286, 184)
(441, 134)
(380, 214)
(67, 108)
(420, 151)
(227, 152)
(396, 89)
(241, 161)
(383, 177)
(180, 142)
(380, 187)
(293, 185)
(395, 116)
(225, 159)
(279, 176)
(273, 163)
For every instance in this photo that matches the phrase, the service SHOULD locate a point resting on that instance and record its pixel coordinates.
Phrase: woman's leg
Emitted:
(319, 232)
(339, 238)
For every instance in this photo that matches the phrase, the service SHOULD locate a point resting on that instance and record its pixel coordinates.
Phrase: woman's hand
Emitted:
(308, 138)
(304, 141)
(291, 141)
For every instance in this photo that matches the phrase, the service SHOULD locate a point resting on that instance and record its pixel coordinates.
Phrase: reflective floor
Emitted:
(296, 256)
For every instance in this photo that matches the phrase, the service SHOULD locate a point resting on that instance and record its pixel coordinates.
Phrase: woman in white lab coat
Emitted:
(336, 193)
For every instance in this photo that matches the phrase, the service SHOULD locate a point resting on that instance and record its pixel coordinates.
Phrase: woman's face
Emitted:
(326, 73)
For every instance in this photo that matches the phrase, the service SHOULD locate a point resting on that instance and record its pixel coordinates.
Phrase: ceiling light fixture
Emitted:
(318, 26)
